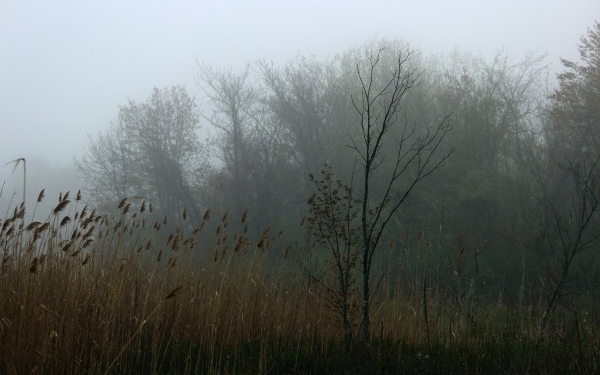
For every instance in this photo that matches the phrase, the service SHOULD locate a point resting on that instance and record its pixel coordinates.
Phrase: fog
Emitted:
(299, 187)
(66, 66)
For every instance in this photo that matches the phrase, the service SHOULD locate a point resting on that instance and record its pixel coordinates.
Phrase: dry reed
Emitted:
(122, 296)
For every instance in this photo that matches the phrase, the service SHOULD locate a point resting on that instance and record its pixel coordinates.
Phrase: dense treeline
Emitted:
(493, 216)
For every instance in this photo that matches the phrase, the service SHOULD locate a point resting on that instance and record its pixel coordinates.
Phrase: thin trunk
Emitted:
(365, 325)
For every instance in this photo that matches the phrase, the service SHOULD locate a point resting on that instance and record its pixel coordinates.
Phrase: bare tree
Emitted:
(108, 168)
(233, 102)
(153, 150)
(577, 225)
(392, 157)
(418, 152)
(299, 97)
(252, 144)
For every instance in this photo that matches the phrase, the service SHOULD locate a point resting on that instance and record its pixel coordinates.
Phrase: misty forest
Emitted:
(377, 211)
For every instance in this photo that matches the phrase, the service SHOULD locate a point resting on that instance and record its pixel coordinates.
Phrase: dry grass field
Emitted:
(133, 293)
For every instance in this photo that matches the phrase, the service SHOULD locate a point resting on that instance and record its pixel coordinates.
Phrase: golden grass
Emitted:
(82, 293)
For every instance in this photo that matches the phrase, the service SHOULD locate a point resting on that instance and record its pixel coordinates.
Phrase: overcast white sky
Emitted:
(65, 66)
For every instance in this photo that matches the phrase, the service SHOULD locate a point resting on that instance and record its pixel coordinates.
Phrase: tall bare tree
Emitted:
(392, 157)
(416, 154)
(233, 100)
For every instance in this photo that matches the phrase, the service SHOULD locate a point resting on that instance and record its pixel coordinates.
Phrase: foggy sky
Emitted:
(66, 66)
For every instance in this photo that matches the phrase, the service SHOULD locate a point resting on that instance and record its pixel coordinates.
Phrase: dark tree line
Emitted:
(511, 217)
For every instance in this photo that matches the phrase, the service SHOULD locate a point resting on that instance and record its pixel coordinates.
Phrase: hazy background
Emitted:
(65, 66)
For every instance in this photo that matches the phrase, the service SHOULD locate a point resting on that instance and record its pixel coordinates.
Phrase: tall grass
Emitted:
(82, 293)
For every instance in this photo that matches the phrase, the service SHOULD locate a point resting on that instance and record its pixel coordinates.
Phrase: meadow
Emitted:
(136, 293)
